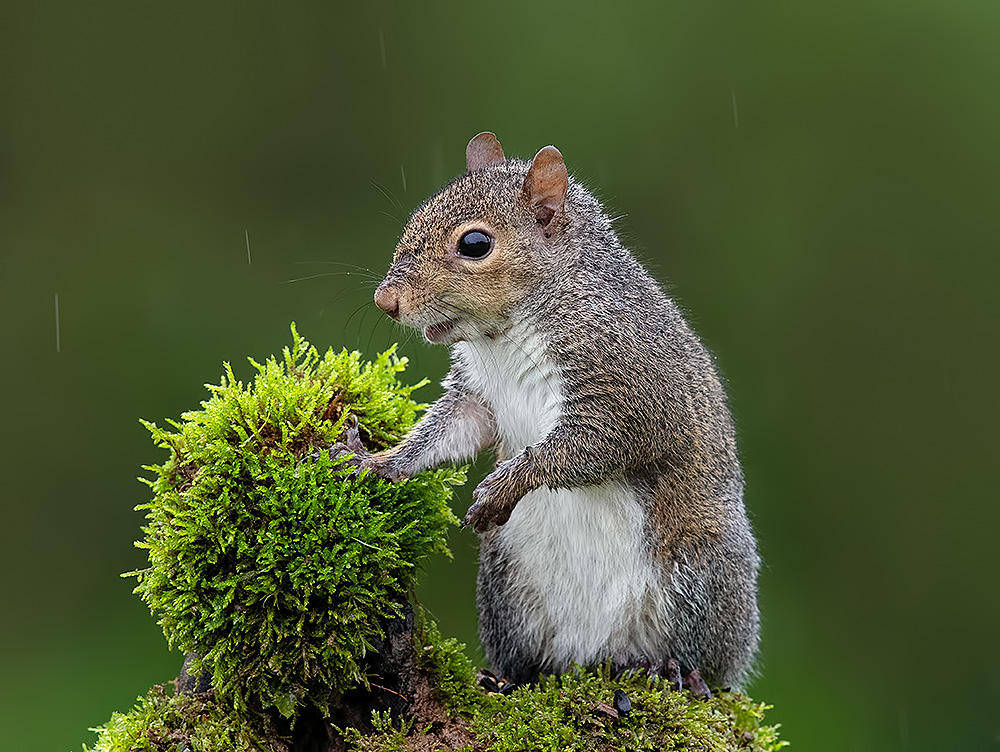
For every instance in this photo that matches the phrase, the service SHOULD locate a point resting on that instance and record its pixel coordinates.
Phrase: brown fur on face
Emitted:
(435, 285)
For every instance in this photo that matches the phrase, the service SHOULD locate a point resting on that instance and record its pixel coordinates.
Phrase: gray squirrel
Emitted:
(613, 527)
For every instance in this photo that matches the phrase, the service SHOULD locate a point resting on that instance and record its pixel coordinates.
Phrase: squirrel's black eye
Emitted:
(475, 244)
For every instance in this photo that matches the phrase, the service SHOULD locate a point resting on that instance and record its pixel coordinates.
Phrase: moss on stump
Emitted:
(286, 577)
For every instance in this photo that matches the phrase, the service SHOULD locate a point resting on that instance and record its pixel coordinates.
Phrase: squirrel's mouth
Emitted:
(441, 332)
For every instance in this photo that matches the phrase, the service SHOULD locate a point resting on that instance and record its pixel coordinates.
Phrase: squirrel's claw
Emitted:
(692, 680)
(480, 518)
(674, 674)
(490, 684)
(351, 443)
(669, 670)
(697, 685)
(493, 501)
(352, 449)
(352, 438)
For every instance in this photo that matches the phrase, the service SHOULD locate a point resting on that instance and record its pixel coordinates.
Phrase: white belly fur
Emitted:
(585, 583)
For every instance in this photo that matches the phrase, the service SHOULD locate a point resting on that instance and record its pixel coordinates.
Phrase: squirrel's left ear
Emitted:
(483, 150)
(546, 184)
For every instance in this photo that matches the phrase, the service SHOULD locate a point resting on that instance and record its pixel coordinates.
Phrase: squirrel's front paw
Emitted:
(361, 458)
(351, 444)
(493, 500)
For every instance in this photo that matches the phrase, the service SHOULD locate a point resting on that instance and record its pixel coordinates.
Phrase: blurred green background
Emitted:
(818, 184)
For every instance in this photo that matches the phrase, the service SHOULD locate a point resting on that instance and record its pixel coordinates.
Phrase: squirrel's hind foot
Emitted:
(490, 684)
(669, 670)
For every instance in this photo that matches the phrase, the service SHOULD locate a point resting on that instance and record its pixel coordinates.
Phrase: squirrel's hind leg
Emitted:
(511, 650)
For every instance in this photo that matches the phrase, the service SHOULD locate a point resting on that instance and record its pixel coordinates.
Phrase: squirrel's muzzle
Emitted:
(387, 298)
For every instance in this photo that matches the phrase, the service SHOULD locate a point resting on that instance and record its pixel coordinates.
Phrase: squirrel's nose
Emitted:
(387, 298)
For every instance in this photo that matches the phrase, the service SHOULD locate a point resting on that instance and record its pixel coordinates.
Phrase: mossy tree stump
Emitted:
(285, 576)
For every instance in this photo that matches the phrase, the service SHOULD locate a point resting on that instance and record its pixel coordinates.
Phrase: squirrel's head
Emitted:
(471, 254)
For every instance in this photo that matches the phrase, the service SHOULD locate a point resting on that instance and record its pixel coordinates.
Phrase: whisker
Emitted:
(337, 296)
(364, 317)
(362, 307)
(338, 263)
(390, 197)
(371, 334)
(326, 274)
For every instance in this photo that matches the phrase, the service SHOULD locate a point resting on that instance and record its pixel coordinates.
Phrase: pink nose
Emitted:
(387, 298)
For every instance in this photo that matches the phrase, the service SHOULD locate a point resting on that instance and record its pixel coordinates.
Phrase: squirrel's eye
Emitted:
(475, 244)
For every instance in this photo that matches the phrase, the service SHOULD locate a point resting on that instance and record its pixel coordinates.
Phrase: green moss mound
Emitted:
(266, 557)
(576, 712)
(279, 567)
(572, 712)
(196, 723)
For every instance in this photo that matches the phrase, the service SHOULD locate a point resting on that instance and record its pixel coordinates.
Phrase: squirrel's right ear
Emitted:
(546, 184)
(483, 150)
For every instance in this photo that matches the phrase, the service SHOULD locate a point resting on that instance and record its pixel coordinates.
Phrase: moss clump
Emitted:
(575, 712)
(281, 571)
(571, 712)
(192, 722)
(447, 667)
(266, 557)
(387, 737)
